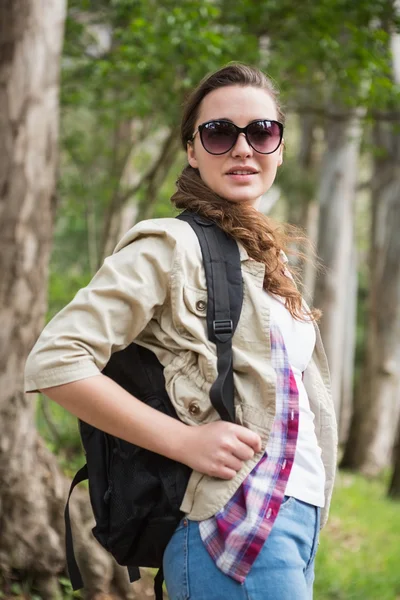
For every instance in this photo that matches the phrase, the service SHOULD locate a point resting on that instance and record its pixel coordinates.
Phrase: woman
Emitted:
(260, 488)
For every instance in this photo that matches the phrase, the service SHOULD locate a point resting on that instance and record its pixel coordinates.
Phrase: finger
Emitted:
(250, 438)
(233, 463)
(226, 473)
(243, 451)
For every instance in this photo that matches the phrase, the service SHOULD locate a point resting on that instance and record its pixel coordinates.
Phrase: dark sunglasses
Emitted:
(218, 137)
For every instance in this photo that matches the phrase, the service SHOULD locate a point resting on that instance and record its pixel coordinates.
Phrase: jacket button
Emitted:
(201, 305)
(194, 408)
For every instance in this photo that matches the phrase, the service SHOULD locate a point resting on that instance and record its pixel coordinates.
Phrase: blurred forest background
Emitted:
(90, 101)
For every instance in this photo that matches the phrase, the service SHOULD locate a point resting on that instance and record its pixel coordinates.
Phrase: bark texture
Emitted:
(32, 489)
(377, 403)
(335, 240)
(30, 47)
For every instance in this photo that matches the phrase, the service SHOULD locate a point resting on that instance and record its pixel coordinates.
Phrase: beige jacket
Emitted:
(153, 290)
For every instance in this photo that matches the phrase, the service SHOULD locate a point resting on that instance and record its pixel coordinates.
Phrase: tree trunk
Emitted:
(375, 416)
(32, 489)
(122, 150)
(30, 485)
(309, 268)
(308, 160)
(350, 334)
(149, 184)
(394, 486)
(157, 175)
(302, 210)
(335, 239)
(298, 203)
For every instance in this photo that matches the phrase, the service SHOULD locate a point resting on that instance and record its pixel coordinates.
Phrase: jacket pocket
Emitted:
(195, 301)
(189, 390)
(193, 320)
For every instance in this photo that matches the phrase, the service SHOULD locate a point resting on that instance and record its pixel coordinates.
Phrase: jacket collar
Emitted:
(245, 256)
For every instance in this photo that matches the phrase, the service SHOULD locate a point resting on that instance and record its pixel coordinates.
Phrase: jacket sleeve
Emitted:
(108, 314)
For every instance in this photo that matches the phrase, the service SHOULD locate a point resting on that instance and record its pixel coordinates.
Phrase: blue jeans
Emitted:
(284, 569)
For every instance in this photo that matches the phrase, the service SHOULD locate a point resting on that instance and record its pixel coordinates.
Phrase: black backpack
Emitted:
(136, 494)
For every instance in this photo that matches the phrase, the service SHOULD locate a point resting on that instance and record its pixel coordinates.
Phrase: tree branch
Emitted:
(158, 173)
(154, 169)
(120, 198)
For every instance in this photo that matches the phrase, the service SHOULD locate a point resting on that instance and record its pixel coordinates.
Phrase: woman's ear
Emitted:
(191, 155)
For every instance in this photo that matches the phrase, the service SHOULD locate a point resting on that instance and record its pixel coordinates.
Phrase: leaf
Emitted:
(16, 589)
(65, 582)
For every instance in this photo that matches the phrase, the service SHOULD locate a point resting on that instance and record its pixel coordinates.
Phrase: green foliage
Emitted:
(337, 48)
(15, 589)
(24, 590)
(360, 548)
(133, 62)
(60, 431)
(156, 52)
(67, 591)
(63, 287)
(127, 67)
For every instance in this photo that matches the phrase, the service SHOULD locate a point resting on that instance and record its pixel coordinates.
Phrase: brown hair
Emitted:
(259, 235)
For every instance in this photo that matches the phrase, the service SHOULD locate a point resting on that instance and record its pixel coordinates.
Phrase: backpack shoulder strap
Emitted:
(72, 566)
(223, 271)
(73, 569)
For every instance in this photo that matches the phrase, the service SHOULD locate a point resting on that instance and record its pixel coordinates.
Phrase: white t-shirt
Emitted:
(307, 478)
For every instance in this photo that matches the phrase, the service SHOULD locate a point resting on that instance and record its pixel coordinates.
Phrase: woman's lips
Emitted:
(241, 176)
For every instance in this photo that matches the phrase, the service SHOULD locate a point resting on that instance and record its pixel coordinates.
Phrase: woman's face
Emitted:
(241, 105)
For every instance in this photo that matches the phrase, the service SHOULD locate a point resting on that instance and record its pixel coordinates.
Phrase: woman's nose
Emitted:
(242, 147)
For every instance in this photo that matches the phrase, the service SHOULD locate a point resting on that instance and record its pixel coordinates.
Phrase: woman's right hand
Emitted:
(219, 449)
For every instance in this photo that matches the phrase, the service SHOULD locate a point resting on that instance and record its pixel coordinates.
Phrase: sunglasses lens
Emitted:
(218, 137)
(264, 136)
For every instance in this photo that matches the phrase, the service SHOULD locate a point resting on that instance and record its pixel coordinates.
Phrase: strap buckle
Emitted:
(223, 326)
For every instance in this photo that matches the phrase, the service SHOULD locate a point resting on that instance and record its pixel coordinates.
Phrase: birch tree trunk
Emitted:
(349, 348)
(377, 403)
(308, 160)
(298, 183)
(336, 195)
(309, 268)
(394, 486)
(29, 538)
(298, 202)
(32, 489)
(148, 184)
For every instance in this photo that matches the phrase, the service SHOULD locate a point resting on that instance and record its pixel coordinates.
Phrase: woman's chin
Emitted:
(243, 198)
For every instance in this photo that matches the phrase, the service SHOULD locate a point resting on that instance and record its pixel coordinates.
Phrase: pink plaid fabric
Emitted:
(235, 535)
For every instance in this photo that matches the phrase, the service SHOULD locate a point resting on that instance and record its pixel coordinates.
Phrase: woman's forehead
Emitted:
(238, 104)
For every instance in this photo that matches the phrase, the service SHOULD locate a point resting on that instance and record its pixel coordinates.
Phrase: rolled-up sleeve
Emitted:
(108, 314)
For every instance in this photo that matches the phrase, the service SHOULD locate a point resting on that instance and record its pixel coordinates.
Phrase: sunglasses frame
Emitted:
(238, 130)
